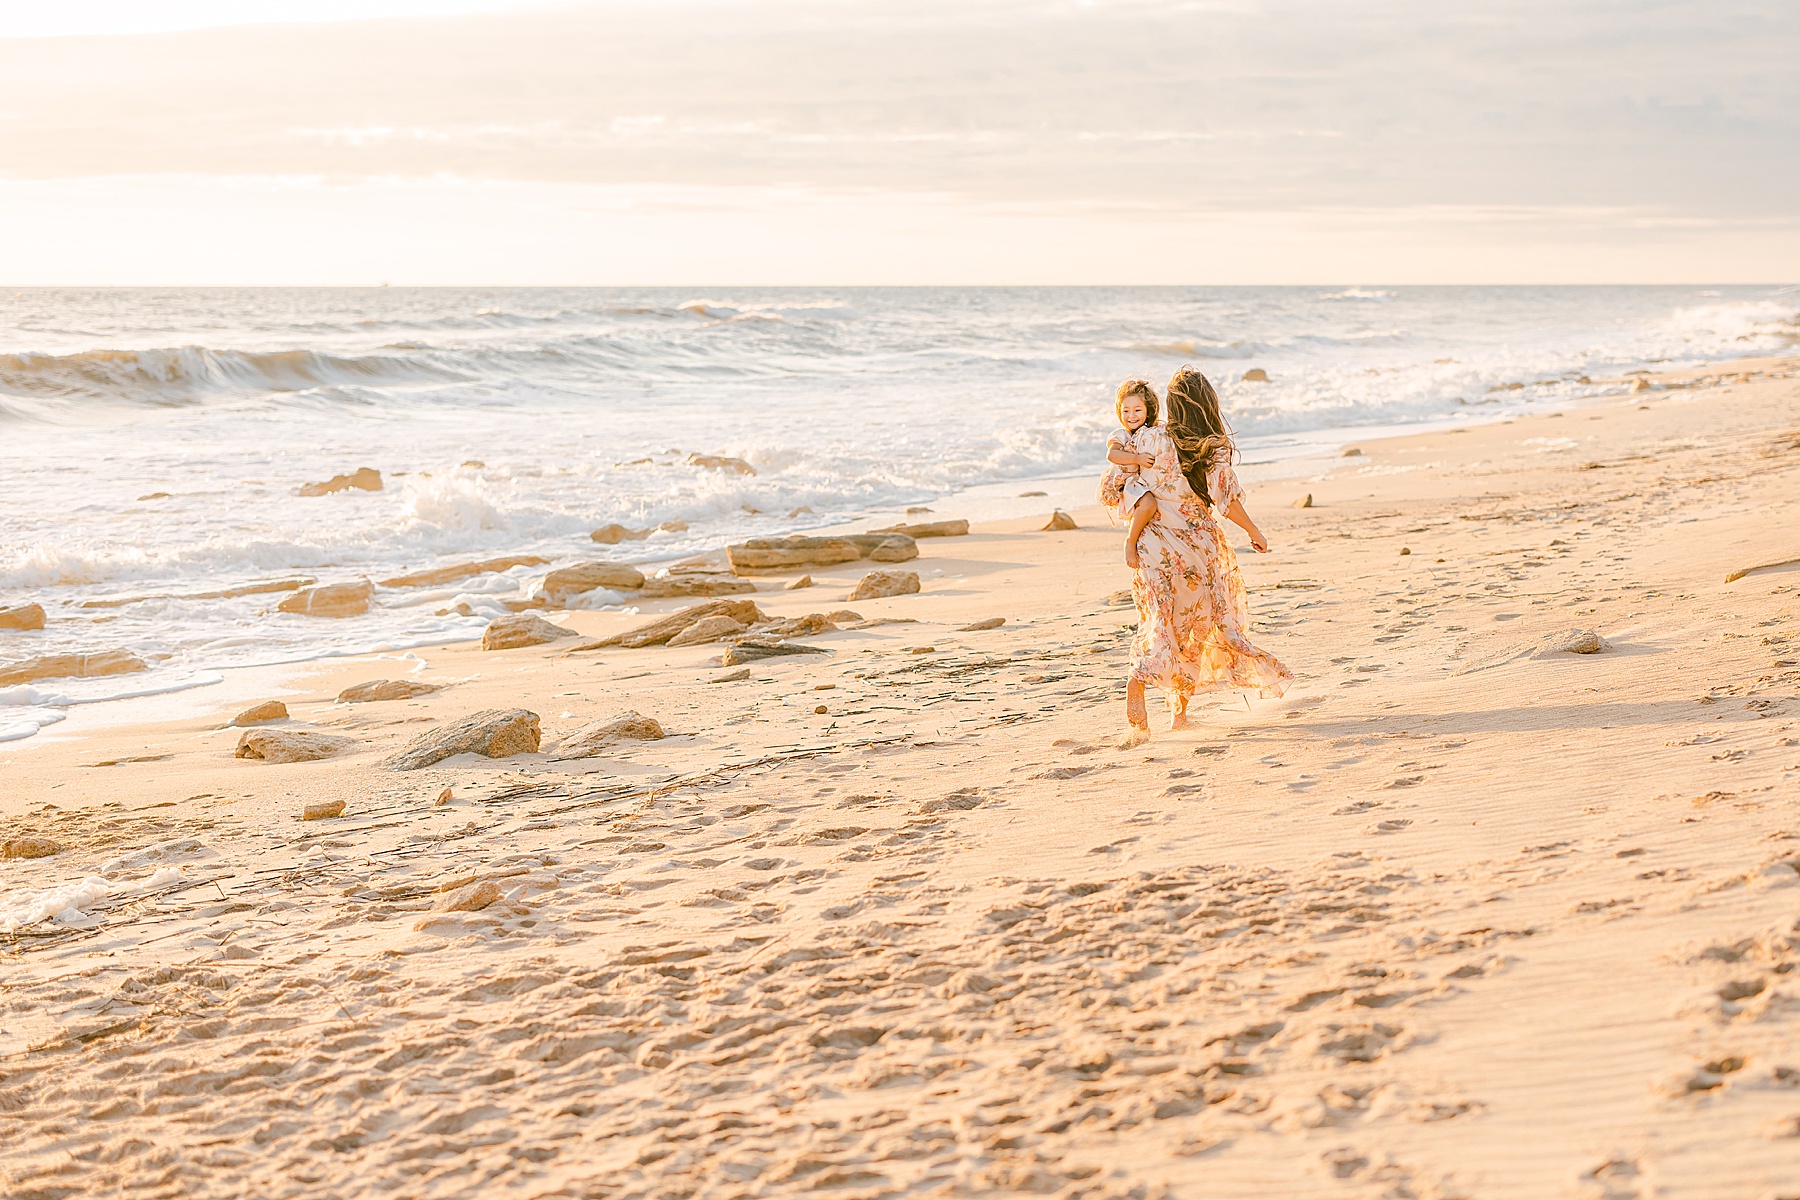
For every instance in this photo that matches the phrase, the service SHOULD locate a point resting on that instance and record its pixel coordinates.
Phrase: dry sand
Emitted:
(1462, 916)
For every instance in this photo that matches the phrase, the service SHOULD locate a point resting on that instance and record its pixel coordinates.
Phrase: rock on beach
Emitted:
(269, 710)
(72, 666)
(659, 631)
(29, 847)
(332, 600)
(957, 528)
(626, 727)
(785, 553)
(1060, 520)
(522, 629)
(686, 584)
(22, 616)
(290, 745)
(877, 584)
(707, 629)
(387, 689)
(565, 583)
(445, 575)
(492, 733)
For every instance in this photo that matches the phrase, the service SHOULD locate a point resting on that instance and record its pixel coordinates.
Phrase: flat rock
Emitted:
(290, 745)
(444, 575)
(565, 583)
(707, 629)
(811, 625)
(1305, 501)
(694, 585)
(269, 710)
(626, 727)
(1060, 520)
(776, 554)
(323, 810)
(958, 528)
(752, 650)
(386, 689)
(737, 676)
(493, 733)
(805, 581)
(29, 847)
(364, 479)
(1255, 375)
(470, 898)
(72, 666)
(522, 629)
(659, 631)
(987, 623)
(843, 616)
(719, 462)
(877, 584)
(332, 600)
(22, 616)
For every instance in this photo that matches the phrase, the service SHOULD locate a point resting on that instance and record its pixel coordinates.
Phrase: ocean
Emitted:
(154, 440)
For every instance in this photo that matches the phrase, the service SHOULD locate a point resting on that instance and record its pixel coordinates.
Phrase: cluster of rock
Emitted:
(739, 621)
(566, 583)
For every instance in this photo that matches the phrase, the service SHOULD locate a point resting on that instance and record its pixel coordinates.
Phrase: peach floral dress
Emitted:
(1193, 615)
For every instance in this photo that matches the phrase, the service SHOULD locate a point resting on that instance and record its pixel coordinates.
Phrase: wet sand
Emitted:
(1463, 915)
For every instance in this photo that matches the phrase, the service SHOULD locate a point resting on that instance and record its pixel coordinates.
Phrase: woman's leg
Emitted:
(1179, 720)
(1135, 715)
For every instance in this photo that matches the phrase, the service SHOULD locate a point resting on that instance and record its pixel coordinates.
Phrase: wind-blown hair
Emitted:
(1140, 388)
(1200, 434)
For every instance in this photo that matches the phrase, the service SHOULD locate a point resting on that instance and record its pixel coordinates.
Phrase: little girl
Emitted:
(1129, 485)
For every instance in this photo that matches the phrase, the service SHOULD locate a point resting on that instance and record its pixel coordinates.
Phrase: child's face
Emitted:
(1134, 412)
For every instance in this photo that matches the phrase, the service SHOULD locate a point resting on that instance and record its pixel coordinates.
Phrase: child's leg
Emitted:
(1141, 516)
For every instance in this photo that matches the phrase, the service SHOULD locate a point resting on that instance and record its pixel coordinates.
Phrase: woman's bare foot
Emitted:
(1179, 721)
(1135, 715)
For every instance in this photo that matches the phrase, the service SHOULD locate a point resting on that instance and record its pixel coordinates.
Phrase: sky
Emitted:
(688, 142)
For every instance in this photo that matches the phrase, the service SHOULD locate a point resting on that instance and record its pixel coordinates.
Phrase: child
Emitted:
(1132, 450)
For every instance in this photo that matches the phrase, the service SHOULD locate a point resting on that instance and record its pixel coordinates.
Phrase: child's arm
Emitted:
(1129, 458)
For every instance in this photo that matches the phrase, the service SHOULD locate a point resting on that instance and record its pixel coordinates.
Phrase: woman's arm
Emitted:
(1235, 512)
(1228, 494)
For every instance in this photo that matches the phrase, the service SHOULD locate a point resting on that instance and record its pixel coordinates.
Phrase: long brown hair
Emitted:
(1140, 388)
(1200, 434)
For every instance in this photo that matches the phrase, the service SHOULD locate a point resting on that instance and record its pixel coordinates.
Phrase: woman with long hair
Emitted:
(1193, 615)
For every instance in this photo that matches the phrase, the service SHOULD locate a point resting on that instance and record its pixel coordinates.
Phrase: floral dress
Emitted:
(1193, 616)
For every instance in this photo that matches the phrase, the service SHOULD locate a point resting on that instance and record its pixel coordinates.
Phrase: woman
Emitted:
(1192, 612)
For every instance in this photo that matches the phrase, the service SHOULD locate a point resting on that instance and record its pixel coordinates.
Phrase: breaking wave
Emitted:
(189, 374)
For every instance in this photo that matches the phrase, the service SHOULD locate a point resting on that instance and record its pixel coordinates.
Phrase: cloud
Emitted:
(1674, 117)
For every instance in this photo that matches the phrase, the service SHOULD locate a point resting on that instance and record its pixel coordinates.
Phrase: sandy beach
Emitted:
(1467, 913)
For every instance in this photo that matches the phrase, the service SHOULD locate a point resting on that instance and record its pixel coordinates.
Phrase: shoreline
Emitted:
(1462, 889)
(1316, 465)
